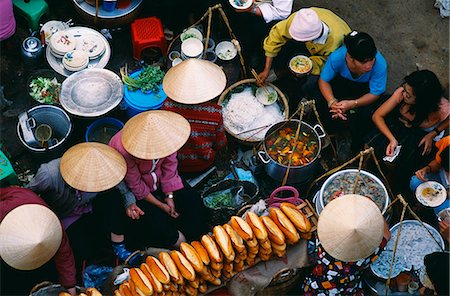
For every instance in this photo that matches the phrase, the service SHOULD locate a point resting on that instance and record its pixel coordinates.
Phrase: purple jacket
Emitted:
(145, 176)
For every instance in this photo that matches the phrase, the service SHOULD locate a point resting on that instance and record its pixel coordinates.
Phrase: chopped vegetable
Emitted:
(149, 80)
(45, 90)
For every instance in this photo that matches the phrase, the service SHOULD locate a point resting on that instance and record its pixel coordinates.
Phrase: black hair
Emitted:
(428, 92)
(360, 46)
(437, 268)
(445, 159)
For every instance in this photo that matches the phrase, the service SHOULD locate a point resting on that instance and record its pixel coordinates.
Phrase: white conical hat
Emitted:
(194, 81)
(350, 227)
(30, 235)
(92, 167)
(155, 134)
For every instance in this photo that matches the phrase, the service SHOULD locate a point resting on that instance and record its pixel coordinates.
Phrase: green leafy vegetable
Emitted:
(149, 80)
(45, 90)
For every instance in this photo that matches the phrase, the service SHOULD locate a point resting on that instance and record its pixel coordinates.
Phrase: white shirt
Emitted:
(274, 10)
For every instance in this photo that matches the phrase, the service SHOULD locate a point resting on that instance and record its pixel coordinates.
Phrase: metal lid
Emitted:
(31, 44)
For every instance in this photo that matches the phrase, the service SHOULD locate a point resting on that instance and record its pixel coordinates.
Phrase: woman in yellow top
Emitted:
(320, 29)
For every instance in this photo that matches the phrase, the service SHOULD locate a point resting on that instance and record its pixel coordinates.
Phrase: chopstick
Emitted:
(254, 129)
(259, 81)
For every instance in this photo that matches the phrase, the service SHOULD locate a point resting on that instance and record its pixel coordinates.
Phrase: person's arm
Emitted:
(41, 181)
(332, 102)
(432, 167)
(134, 180)
(379, 119)
(277, 10)
(427, 140)
(364, 100)
(65, 264)
(265, 72)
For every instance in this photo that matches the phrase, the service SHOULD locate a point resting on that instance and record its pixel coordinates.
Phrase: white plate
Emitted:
(431, 194)
(241, 4)
(92, 44)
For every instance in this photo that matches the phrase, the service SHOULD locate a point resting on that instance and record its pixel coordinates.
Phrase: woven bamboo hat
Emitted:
(194, 81)
(30, 235)
(155, 134)
(350, 227)
(92, 167)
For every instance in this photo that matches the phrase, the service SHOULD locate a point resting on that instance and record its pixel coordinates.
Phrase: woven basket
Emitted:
(241, 85)
(221, 215)
(282, 283)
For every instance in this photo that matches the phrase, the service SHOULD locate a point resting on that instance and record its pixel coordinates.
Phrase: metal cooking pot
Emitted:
(320, 203)
(297, 174)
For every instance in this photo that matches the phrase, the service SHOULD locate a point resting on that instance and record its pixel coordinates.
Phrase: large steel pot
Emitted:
(382, 204)
(297, 174)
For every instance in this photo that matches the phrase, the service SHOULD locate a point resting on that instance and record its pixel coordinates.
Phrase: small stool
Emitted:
(145, 33)
(32, 11)
(7, 173)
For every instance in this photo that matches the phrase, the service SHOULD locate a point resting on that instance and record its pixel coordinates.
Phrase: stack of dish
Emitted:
(75, 60)
(92, 45)
(61, 43)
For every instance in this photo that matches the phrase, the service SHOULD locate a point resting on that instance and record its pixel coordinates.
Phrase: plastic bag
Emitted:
(229, 198)
(95, 275)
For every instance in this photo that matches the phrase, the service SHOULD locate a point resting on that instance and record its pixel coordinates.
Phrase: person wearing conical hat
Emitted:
(30, 236)
(351, 232)
(191, 86)
(167, 209)
(69, 186)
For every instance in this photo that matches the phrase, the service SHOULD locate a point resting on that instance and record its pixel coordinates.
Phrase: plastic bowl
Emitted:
(241, 4)
(300, 65)
(192, 48)
(191, 33)
(226, 51)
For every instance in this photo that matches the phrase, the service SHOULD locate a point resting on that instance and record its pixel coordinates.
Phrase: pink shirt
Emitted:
(145, 176)
(7, 21)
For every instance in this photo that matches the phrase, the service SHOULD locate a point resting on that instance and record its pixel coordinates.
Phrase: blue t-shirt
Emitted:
(376, 77)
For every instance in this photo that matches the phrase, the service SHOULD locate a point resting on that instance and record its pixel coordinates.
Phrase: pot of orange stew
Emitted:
(281, 148)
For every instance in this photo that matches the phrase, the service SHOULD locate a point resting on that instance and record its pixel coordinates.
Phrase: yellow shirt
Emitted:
(279, 36)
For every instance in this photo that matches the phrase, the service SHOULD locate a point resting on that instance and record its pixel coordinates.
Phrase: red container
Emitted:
(123, 4)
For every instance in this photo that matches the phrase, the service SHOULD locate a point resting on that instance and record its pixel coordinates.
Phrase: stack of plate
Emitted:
(92, 45)
(61, 43)
(75, 60)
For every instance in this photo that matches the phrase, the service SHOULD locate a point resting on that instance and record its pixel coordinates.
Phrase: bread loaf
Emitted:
(275, 234)
(141, 281)
(157, 285)
(158, 269)
(297, 218)
(211, 247)
(257, 226)
(171, 267)
(183, 265)
(192, 256)
(242, 228)
(286, 226)
(236, 240)
(224, 242)
(201, 251)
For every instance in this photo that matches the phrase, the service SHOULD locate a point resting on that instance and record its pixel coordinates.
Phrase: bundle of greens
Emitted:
(45, 90)
(149, 80)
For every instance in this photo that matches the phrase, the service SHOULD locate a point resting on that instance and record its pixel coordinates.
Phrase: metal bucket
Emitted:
(53, 116)
(297, 174)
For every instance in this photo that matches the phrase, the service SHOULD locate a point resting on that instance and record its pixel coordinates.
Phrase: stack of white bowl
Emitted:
(93, 45)
(61, 43)
(75, 60)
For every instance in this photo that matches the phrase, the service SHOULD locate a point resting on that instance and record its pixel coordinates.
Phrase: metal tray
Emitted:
(91, 92)
(100, 62)
(405, 250)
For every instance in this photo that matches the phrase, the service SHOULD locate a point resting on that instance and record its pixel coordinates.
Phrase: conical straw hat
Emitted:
(155, 134)
(194, 81)
(350, 227)
(30, 235)
(92, 167)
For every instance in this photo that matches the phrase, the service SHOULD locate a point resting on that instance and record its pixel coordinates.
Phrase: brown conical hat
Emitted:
(194, 81)
(30, 235)
(92, 167)
(350, 227)
(155, 134)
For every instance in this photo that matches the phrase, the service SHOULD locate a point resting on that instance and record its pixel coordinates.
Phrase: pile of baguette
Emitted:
(217, 257)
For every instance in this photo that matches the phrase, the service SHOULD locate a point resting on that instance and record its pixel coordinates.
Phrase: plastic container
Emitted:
(211, 56)
(102, 130)
(136, 102)
(109, 5)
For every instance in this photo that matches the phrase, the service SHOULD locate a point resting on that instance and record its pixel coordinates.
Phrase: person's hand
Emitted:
(444, 230)
(173, 213)
(427, 142)
(391, 147)
(337, 113)
(263, 76)
(344, 105)
(134, 212)
(422, 172)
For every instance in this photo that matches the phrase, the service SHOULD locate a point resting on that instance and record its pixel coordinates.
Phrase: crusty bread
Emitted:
(183, 265)
(257, 226)
(157, 285)
(242, 228)
(171, 267)
(158, 269)
(236, 240)
(275, 234)
(125, 289)
(201, 251)
(141, 281)
(224, 242)
(286, 226)
(93, 292)
(213, 250)
(192, 256)
(300, 221)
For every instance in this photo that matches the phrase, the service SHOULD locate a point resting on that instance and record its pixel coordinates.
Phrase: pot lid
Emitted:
(31, 44)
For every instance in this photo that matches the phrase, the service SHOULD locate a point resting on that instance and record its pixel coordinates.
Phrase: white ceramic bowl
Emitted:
(62, 42)
(192, 48)
(266, 97)
(300, 64)
(191, 33)
(226, 51)
(241, 4)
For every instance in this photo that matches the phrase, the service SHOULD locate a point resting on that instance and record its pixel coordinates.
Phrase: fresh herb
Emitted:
(149, 80)
(45, 90)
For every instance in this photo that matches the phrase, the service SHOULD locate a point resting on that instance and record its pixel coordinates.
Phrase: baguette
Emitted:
(183, 265)
(216, 266)
(192, 256)
(300, 221)
(275, 234)
(203, 288)
(242, 228)
(93, 292)
(253, 243)
(279, 248)
(265, 244)
(195, 283)
(286, 226)
(257, 226)
(141, 281)
(236, 240)
(191, 291)
(157, 285)
(158, 269)
(201, 251)
(212, 248)
(171, 267)
(125, 289)
(224, 242)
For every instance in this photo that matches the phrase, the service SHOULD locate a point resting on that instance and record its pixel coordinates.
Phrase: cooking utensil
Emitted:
(32, 51)
(259, 81)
